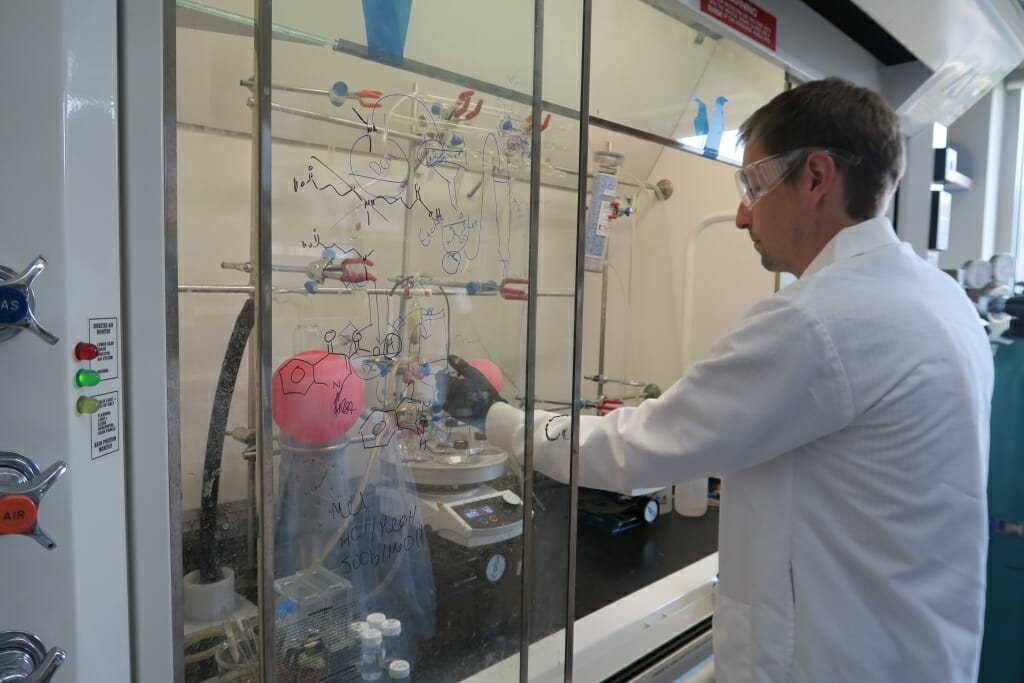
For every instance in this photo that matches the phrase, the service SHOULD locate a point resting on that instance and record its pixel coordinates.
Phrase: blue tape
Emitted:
(387, 23)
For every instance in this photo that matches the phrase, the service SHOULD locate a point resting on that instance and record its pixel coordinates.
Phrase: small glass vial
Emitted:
(370, 642)
(391, 630)
(376, 620)
(399, 670)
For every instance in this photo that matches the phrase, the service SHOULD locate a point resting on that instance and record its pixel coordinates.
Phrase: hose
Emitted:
(209, 571)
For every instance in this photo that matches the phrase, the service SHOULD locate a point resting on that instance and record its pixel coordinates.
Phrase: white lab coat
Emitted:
(848, 414)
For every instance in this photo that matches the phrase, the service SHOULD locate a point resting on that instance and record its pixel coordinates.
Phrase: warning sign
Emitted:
(106, 432)
(103, 333)
(745, 17)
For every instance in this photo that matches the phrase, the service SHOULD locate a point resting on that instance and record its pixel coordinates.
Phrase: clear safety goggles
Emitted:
(761, 177)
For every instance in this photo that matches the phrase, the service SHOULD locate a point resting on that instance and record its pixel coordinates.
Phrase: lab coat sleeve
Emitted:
(772, 385)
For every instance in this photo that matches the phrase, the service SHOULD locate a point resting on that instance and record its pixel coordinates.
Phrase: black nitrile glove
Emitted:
(469, 394)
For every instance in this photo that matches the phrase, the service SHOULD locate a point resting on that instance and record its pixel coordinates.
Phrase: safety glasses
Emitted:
(761, 177)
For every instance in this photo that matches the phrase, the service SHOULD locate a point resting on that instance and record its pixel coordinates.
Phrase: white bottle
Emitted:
(369, 656)
(691, 497)
(399, 670)
(391, 629)
(376, 620)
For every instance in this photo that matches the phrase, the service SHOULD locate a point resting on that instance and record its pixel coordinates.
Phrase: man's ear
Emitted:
(821, 171)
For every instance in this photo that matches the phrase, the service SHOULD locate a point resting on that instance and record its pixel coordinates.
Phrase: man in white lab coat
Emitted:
(848, 415)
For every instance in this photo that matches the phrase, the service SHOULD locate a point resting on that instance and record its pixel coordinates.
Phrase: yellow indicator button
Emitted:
(87, 378)
(87, 405)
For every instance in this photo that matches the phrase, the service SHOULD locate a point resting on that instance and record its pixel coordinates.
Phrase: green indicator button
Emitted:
(87, 405)
(87, 378)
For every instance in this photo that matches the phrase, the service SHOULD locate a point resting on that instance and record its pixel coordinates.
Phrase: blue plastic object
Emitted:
(311, 286)
(387, 23)
(716, 129)
(13, 305)
(330, 252)
(456, 140)
(700, 121)
(338, 94)
(506, 124)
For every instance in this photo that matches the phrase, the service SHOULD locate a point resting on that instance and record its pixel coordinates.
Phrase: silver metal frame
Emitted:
(148, 187)
(577, 336)
(530, 386)
(261, 253)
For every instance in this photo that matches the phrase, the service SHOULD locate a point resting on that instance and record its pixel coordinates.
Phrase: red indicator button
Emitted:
(493, 518)
(17, 514)
(84, 351)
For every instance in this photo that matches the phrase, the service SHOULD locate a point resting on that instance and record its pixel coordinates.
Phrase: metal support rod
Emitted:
(577, 335)
(603, 328)
(531, 341)
(376, 291)
(337, 120)
(261, 250)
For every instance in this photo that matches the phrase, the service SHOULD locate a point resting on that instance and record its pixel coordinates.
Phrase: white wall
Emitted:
(645, 308)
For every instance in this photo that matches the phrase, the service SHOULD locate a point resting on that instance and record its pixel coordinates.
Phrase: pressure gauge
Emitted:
(1004, 269)
(977, 274)
(495, 568)
(651, 510)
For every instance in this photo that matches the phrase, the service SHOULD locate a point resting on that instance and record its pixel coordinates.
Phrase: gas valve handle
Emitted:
(24, 658)
(17, 302)
(22, 487)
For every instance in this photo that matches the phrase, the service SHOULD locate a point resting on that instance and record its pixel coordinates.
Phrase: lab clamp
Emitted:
(17, 302)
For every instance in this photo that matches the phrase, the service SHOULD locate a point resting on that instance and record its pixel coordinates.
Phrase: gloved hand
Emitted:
(469, 394)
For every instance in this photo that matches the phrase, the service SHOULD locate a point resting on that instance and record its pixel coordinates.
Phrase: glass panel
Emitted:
(214, 195)
(401, 214)
(713, 83)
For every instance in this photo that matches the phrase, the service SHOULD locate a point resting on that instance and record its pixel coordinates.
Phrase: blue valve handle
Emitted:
(13, 305)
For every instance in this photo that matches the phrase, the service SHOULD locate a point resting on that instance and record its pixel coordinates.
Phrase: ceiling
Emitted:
(862, 29)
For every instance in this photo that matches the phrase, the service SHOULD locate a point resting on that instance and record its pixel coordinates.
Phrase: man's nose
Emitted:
(743, 217)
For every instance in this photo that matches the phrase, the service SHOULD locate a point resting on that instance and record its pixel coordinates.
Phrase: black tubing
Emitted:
(1014, 306)
(209, 571)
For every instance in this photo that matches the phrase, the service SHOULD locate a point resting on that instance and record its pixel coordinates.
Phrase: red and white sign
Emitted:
(745, 17)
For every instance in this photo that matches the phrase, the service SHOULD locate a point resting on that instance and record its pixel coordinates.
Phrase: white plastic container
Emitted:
(691, 498)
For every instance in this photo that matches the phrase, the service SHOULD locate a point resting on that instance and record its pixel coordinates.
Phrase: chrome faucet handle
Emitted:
(24, 658)
(22, 487)
(17, 302)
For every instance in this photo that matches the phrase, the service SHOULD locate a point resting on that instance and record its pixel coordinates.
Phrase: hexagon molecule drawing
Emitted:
(317, 396)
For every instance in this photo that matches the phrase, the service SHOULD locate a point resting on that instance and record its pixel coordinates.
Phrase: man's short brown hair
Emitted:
(836, 113)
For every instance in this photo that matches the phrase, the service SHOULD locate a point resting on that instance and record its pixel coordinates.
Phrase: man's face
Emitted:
(774, 223)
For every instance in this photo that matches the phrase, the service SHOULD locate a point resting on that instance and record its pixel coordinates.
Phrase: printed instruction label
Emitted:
(744, 16)
(104, 334)
(106, 430)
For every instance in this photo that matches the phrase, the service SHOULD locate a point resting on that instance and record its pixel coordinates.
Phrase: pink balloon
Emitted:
(317, 396)
(489, 370)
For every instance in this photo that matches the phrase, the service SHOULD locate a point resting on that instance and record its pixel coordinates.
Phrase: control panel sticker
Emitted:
(103, 333)
(106, 432)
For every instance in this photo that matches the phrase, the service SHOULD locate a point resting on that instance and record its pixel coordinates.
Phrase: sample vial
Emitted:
(399, 670)
(376, 620)
(356, 628)
(391, 630)
(370, 642)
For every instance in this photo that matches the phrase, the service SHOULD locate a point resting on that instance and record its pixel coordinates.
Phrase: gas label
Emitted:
(103, 333)
(106, 431)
